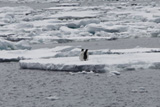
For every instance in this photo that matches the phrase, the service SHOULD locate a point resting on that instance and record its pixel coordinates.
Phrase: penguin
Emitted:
(81, 56)
(85, 57)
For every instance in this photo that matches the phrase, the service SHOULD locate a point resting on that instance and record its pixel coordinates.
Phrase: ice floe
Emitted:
(8, 45)
(52, 98)
(17, 55)
(72, 22)
(65, 58)
(112, 73)
(96, 63)
(66, 51)
(68, 15)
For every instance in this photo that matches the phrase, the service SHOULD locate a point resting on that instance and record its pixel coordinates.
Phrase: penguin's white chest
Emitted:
(81, 56)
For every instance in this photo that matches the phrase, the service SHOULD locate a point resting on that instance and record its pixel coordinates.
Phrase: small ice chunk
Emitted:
(114, 73)
(52, 98)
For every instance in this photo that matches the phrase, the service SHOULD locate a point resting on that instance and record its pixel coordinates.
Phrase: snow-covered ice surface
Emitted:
(96, 63)
(66, 51)
(8, 45)
(66, 22)
(16, 55)
(65, 58)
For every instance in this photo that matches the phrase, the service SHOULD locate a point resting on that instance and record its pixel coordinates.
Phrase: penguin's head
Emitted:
(82, 49)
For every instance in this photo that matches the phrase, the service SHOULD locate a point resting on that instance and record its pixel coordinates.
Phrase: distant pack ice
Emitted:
(73, 22)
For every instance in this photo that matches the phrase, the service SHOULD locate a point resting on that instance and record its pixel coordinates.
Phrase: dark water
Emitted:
(104, 44)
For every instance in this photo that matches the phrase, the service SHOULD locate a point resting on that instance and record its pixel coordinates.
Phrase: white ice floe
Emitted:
(66, 59)
(75, 14)
(93, 28)
(82, 23)
(112, 73)
(52, 98)
(65, 51)
(68, 4)
(7, 45)
(96, 63)
(34, 54)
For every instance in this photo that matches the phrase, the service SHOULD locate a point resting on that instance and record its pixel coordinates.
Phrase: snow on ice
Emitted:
(8, 45)
(96, 63)
(65, 58)
(33, 54)
(65, 51)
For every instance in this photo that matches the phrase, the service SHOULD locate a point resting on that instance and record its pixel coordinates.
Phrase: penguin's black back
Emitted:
(85, 55)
